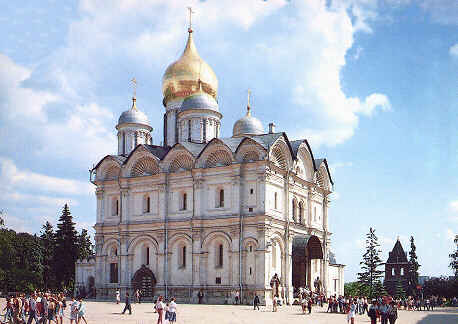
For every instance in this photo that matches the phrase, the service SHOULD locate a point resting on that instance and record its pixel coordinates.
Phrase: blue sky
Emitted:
(371, 84)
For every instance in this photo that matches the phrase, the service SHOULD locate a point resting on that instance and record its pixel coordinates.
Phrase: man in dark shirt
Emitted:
(127, 307)
(256, 302)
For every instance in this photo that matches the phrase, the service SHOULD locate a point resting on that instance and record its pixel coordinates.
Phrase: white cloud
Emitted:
(454, 206)
(441, 11)
(453, 51)
(15, 179)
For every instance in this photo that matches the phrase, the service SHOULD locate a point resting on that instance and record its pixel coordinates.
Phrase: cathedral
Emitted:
(207, 214)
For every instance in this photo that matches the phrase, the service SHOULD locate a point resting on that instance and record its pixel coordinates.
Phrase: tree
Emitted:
(85, 247)
(48, 248)
(414, 266)
(400, 293)
(66, 249)
(454, 258)
(355, 289)
(370, 275)
(2, 218)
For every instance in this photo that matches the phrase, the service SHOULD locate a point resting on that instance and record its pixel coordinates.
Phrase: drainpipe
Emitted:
(166, 243)
(240, 237)
(286, 276)
(192, 236)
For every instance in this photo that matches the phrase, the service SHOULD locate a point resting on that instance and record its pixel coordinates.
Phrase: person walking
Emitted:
(237, 297)
(384, 310)
(172, 311)
(32, 309)
(393, 315)
(59, 311)
(352, 313)
(73, 311)
(160, 310)
(200, 296)
(274, 303)
(372, 312)
(118, 297)
(256, 302)
(81, 311)
(137, 296)
(127, 305)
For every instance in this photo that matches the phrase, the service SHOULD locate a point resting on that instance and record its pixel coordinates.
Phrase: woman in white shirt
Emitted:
(172, 311)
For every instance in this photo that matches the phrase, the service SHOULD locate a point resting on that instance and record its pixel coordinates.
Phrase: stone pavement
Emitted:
(110, 313)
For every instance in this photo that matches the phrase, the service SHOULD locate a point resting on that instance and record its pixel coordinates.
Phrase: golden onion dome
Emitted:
(181, 79)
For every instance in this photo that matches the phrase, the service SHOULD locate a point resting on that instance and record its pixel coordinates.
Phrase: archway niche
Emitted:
(145, 281)
(305, 249)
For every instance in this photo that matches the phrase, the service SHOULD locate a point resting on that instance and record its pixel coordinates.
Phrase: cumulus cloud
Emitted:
(453, 51)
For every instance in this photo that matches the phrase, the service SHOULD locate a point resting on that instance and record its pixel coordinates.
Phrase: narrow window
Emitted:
(274, 256)
(123, 143)
(113, 273)
(275, 200)
(300, 213)
(115, 207)
(251, 191)
(185, 202)
(147, 256)
(402, 271)
(218, 280)
(183, 252)
(189, 130)
(147, 204)
(294, 211)
(392, 272)
(250, 209)
(314, 214)
(251, 248)
(250, 271)
(221, 198)
(220, 255)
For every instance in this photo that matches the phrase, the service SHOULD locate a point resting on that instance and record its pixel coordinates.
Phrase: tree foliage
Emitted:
(454, 258)
(414, 266)
(443, 287)
(355, 289)
(30, 262)
(400, 292)
(370, 276)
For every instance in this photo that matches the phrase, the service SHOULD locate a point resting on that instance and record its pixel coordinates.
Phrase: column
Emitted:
(99, 194)
(289, 269)
(125, 217)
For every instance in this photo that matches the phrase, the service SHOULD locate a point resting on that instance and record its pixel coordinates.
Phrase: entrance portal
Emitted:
(305, 249)
(145, 281)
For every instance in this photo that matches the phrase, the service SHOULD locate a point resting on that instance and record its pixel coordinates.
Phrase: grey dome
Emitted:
(199, 101)
(133, 116)
(247, 125)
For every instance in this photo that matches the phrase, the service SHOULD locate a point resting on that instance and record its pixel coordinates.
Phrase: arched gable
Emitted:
(177, 237)
(277, 238)
(108, 168)
(280, 153)
(141, 162)
(141, 239)
(178, 159)
(215, 154)
(322, 177)
(249, 150)
(110, 243)
(249, 240)
(305, 158)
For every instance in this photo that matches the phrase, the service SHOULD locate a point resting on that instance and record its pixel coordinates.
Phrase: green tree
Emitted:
(48, 248)
(370, 275)
(7, 258)
(85, 247)
(400, 293)
(414, 266)
(454, 259)
(355, 289)
(2, 218)
(66, 250)
(26, 273)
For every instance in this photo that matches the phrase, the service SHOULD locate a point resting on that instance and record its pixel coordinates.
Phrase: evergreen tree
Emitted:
(454, 258)
(370, 275)
(66, 252)
(414, 266)
(379, 289)
(48, 248)
(85, 247)
(400, 293)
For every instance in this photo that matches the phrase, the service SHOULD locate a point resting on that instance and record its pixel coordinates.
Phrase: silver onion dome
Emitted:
(199, 100)
(133, 116)
(247, 125)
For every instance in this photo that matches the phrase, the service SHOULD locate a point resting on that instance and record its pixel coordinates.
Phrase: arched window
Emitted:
(294, 211)
(184, 201)
(220, 198)
(115, 207)
(402, 271)
(220, 255)
(147, 255)
(301, 211)
(146, 204)
(183, 257)
(275, 200)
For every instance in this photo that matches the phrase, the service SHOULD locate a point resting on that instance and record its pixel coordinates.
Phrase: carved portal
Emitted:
(145, 281)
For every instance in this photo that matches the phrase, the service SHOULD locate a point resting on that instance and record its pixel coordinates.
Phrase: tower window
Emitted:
(392, 272)
(220, 256)
(402, 271)
(184, 203)
(251, 191)
(115, 207)
(218, 281)
(189, 130)
(146, 204)
(250, 271)
(183, 256)
(221, 198)
(251, 248)
(147, 256)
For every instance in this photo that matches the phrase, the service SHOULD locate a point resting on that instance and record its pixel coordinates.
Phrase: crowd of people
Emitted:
(42, 308)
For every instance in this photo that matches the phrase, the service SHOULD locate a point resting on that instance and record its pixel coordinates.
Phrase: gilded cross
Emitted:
(134, 86)
(190, 18)
(249, 94)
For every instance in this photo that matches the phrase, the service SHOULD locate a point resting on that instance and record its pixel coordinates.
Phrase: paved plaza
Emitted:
(110, 313)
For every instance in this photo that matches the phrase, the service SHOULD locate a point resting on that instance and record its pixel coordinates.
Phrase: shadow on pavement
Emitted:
(441, 318)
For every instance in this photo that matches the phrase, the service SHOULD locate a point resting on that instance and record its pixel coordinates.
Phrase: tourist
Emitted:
(200, 296)
(44, 304)
(172, 311)
(81, 311)
(137, 295)
(256, 302)
(51, 310)
(237, 297)
(384, 310)
(372, 312)
(32, 309)
(60, 310)
(118, 296)
(73, 311)
(127, 305)
(160, 310)
(309, 304)
(352, 312)
(274, 303)
(393, 315)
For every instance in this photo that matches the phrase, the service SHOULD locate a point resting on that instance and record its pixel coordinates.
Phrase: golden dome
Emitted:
(181, 79)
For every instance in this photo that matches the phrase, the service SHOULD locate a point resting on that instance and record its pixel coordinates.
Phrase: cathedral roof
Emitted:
(397, 255)
(133, 116)
(200, 100)
(247, 125)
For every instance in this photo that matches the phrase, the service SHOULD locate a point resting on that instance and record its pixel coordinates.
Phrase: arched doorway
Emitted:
(145, 281)
(305, 249)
